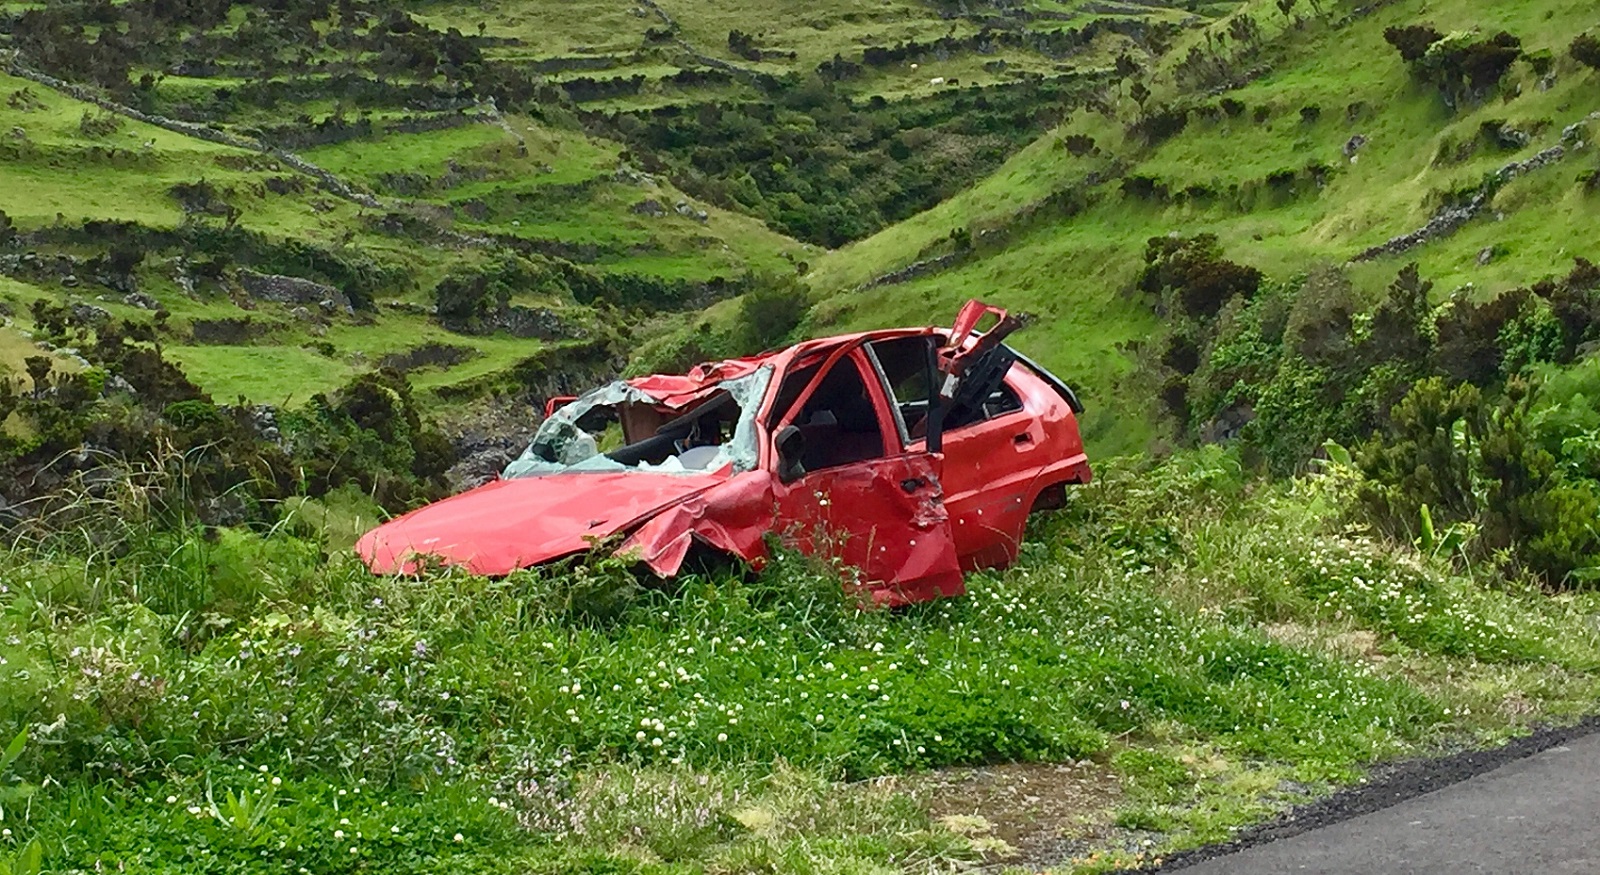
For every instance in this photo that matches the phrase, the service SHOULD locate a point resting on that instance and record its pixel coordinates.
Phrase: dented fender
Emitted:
(732, 517)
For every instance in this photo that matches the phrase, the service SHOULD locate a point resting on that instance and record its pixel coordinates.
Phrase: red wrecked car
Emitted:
(910, 454)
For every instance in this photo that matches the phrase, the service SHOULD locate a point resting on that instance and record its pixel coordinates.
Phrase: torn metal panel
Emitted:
(733, 517)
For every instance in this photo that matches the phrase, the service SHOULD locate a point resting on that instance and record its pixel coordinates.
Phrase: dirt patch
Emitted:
(1356, 644)
(1024, 813)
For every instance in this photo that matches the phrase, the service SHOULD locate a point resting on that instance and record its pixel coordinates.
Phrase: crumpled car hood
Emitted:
(505, 525)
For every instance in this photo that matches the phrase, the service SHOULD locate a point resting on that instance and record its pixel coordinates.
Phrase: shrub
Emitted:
(1469, 348)
(1426, 457)
(770, 313)
(1465, 69)
(1195, 275)
(1412, 41)
(1585, 49)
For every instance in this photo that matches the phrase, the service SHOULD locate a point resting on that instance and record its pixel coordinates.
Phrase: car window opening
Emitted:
(620, 428)
(839, 423)
(905, 366)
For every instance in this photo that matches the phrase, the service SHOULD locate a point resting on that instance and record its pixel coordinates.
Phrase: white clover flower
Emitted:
(338, 834)
(722, 736)
(277, 781)
(171, 799)
(458, 838)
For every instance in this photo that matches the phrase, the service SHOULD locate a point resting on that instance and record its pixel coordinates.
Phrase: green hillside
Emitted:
(1269, 177)
(647, 158)
(1324, 272)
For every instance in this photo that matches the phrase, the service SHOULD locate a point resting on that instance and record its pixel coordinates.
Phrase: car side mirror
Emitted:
(791, 446)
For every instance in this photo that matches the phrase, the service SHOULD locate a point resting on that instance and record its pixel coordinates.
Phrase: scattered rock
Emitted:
(629, 176)
(1485, 255)
(1353, 145)
(1574, 133)
(1450, 218)
(141, 300)
(89, 314)
(1509, 138)
(427, 355)
(293, 290)
(535, 322)
(650, 207)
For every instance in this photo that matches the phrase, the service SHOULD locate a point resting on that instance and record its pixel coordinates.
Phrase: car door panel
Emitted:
(988, 477)
(883, 516)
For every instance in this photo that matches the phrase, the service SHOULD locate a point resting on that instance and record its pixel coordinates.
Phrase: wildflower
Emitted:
(458, 838)
(194, 809)
(338, 834)
(638, 736)
(722, 736)
(394, 830)
(276, 781)
(171, 799)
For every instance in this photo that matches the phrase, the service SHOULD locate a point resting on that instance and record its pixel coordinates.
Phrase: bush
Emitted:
(1412, 41)
(1585, 49)
(769, 314)
(1192, 273)
(1465, 69)
(1426, 457)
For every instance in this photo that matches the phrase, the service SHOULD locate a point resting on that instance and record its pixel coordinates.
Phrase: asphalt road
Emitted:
(1540, 813)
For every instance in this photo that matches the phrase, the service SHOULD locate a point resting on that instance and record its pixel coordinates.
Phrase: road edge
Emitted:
(1388, 785)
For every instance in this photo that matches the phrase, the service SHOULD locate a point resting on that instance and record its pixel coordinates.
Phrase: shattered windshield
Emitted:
(620, 428)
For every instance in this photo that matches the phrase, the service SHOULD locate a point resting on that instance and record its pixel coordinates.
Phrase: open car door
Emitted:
(848, 490)
(972, 365)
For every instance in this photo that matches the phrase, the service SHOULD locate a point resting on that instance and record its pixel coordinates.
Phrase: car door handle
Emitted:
(1023, 438)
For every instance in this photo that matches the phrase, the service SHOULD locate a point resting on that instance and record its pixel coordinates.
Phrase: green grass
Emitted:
(278, 375)
(1201, 635)
(1078, 271)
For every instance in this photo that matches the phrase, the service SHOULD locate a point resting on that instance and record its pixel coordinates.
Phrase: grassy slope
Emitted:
(1218, 647)
(1076, 271)
(561, 192)
(58, 170)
